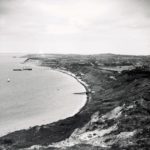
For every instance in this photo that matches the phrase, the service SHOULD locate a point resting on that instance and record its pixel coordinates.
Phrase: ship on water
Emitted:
(17, 69)
(27, 68)
(23, 69)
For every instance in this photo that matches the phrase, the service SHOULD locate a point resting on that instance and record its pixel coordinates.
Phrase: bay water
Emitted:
(35, 97)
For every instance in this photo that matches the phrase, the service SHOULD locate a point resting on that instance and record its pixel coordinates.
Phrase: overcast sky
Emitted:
(75, 26)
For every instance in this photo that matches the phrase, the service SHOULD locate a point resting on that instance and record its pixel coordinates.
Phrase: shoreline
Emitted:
(72, 115)
(79, 80)
(83, 83)
(115, 115)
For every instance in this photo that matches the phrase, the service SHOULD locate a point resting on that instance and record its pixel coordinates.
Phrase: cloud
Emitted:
(80, 24)
(75, 15)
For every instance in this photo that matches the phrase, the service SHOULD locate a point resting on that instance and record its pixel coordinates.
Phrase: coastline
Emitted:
(110, 118)
(83, 83)
(71, 115)
(78, 79)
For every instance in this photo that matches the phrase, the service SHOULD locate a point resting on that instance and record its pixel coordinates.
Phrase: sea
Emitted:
(36, 97)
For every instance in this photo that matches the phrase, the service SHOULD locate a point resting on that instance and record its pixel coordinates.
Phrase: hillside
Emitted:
(116, 115)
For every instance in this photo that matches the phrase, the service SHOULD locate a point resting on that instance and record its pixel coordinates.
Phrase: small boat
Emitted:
(27, 68)
(8, 80)
(17, 69)
(23, 69)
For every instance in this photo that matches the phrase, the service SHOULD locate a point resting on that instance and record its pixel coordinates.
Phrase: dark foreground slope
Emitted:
(117, 115)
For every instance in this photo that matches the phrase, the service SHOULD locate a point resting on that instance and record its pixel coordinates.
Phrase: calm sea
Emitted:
(35, 97)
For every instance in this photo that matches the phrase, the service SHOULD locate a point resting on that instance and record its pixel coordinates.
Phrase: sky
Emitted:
(75, 26)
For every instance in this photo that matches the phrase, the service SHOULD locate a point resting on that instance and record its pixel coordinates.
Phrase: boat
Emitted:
(17, 69)
(29, 69)
(8, 80)
(23, 69)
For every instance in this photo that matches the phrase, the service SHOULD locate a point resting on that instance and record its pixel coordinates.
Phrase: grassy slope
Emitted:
(131, 88)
